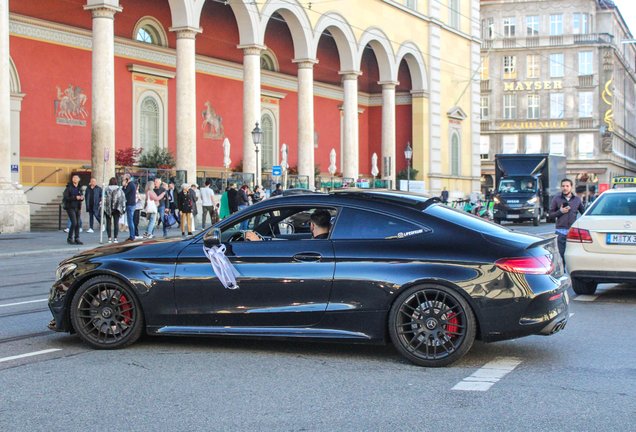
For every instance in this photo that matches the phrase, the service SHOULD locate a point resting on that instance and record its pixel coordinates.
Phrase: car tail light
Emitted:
(528, 265)
(578, 235)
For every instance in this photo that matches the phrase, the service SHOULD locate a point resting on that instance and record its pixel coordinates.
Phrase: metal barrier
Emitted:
(329, 183)
(220, 181)
(143, 175)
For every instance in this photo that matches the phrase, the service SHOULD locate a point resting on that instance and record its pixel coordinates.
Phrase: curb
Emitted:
(44, 251)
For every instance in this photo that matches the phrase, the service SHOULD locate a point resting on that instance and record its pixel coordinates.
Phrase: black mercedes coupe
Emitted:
(396, 266)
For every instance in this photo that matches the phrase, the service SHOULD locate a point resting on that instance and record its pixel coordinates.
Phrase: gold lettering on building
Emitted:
(530, 85)
(534, 125)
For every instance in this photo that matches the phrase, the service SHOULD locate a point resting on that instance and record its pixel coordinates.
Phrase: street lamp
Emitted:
(408, 154)
(257, 137)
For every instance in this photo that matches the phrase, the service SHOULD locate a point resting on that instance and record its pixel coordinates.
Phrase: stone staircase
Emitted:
(46, 219)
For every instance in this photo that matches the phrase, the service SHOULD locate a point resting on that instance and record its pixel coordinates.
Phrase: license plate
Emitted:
(512, 216)
(621, 239)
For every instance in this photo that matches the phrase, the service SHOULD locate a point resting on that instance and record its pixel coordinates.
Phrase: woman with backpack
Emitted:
(184, 204)
(114, 207)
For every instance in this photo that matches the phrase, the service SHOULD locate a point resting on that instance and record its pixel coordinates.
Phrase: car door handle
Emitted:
(308, 257)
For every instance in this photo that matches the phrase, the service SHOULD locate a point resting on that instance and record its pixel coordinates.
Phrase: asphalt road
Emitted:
(583, 378)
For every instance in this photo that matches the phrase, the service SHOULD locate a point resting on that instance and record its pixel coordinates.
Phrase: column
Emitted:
(103, 90)
(350, 156)
(420, 134)
(186, 126)
(388, 129)
(306, 119)
(5, 98)
(251, 104)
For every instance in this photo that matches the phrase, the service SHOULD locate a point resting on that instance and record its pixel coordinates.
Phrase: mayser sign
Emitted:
(533, 86)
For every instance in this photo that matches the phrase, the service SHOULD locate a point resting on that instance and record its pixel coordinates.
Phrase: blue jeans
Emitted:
(160, 213)
(68, 224)
(151, 224)
(130, 216)
(245, 223)
(97, 214)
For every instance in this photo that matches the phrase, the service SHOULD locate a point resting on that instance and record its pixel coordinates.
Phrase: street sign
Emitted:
(106, 154)
(14, 168)
(277, 170)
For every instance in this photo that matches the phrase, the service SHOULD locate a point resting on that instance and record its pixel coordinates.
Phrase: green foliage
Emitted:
(316, 170)
(238, 167)
(402, 174)
(157, 158)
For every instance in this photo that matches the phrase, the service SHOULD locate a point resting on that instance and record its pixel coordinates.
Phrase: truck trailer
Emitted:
(525, 186)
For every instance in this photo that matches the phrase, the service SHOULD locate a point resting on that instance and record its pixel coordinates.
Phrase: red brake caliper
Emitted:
(452, 319)
(125, 309)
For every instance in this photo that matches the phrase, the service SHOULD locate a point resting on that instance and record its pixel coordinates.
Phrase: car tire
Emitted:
(106, 313)
(432, 325)
(583, 287)
(536, 221)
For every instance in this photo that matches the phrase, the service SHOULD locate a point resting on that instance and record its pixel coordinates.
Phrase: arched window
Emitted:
(267, 147)
(149, 124)
(269, 61)
(455, 154)
(149, 30)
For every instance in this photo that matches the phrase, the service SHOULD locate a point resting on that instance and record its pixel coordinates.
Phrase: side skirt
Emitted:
(286, 332)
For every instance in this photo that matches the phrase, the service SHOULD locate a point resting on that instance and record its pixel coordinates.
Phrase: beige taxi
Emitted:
(601, 245)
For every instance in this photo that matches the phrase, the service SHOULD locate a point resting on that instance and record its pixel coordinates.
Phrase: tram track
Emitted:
(26, 336)
(27, 312)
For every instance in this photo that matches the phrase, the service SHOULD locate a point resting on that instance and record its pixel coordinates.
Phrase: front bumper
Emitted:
(518, 213)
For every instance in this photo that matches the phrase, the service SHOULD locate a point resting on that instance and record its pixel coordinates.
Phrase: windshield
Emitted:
(614, 204)
(517, 184)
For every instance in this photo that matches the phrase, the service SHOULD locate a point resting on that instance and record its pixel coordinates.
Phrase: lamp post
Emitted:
(408, 154)
(257, 136)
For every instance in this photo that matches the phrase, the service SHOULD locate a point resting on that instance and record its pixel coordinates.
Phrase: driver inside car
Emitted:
(320, 225)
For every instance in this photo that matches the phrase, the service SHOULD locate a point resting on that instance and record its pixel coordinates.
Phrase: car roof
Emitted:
(620, 190)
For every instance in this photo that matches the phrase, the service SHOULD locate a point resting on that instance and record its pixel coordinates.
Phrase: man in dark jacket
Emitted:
(130, 190)
(73, 198)
(232, 199)
(564, 208)
(279, 190)
(161, 208)
(93, 203)
(445, 196)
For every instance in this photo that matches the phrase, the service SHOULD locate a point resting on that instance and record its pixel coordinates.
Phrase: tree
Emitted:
(157, 158)
(127, 157)
(402, 175)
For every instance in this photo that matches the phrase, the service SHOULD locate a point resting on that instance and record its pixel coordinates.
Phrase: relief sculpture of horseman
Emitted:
(69, 106)
(212, 123)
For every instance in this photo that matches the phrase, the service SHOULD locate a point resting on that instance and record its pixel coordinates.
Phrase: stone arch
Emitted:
(247, 18)
(417, 66)
(383, 52)
(185, 13)
(157, 32)
(298, 22)
(342, 34)
(15, 87)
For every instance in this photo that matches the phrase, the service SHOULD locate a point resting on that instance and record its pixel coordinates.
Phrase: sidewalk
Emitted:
(38, 242)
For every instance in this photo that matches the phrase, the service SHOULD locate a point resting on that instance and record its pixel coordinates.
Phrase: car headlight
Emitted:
(63, 270)
(495, 199)
(533, 201)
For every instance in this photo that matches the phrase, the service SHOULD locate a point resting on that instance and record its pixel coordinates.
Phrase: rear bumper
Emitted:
(599, 267)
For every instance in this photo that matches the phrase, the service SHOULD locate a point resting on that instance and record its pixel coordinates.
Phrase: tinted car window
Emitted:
(617, 204)
(464, 219)
(365, 225)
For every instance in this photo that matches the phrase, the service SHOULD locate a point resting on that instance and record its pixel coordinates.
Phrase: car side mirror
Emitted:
(214, 239)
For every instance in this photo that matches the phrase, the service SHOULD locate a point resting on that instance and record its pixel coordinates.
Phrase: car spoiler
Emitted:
(542, 242)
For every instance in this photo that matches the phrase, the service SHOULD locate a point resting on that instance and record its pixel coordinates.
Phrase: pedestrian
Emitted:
(232, 199)
(224, 207)
(278, 191)
(208, 206)
(152, 207)
(445, 195)
(243, 201)
(138, 209)
(184, 204)
(564, 209)
(172, 202)
(114, 207)
(130, 190)
(195, 207)
(68, 225)
(162, 209)
(256, 196)
(73, 198)
(93, 201)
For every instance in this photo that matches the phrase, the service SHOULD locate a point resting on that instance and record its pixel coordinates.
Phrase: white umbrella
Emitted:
(284, 150)
(226, 153)
(332, 159)
(374, 165)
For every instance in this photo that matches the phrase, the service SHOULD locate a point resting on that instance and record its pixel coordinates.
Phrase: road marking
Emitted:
(24, 302)
(488, 375)
(586, 297)
(571, 315)
(6, 359)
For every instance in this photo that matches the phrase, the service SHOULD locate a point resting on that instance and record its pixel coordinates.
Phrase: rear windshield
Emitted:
(465, 219)
(614, 204)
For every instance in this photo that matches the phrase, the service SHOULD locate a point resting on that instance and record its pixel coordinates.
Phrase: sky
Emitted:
(628, 10)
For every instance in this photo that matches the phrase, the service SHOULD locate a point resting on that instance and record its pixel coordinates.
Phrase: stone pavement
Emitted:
(37, 242)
